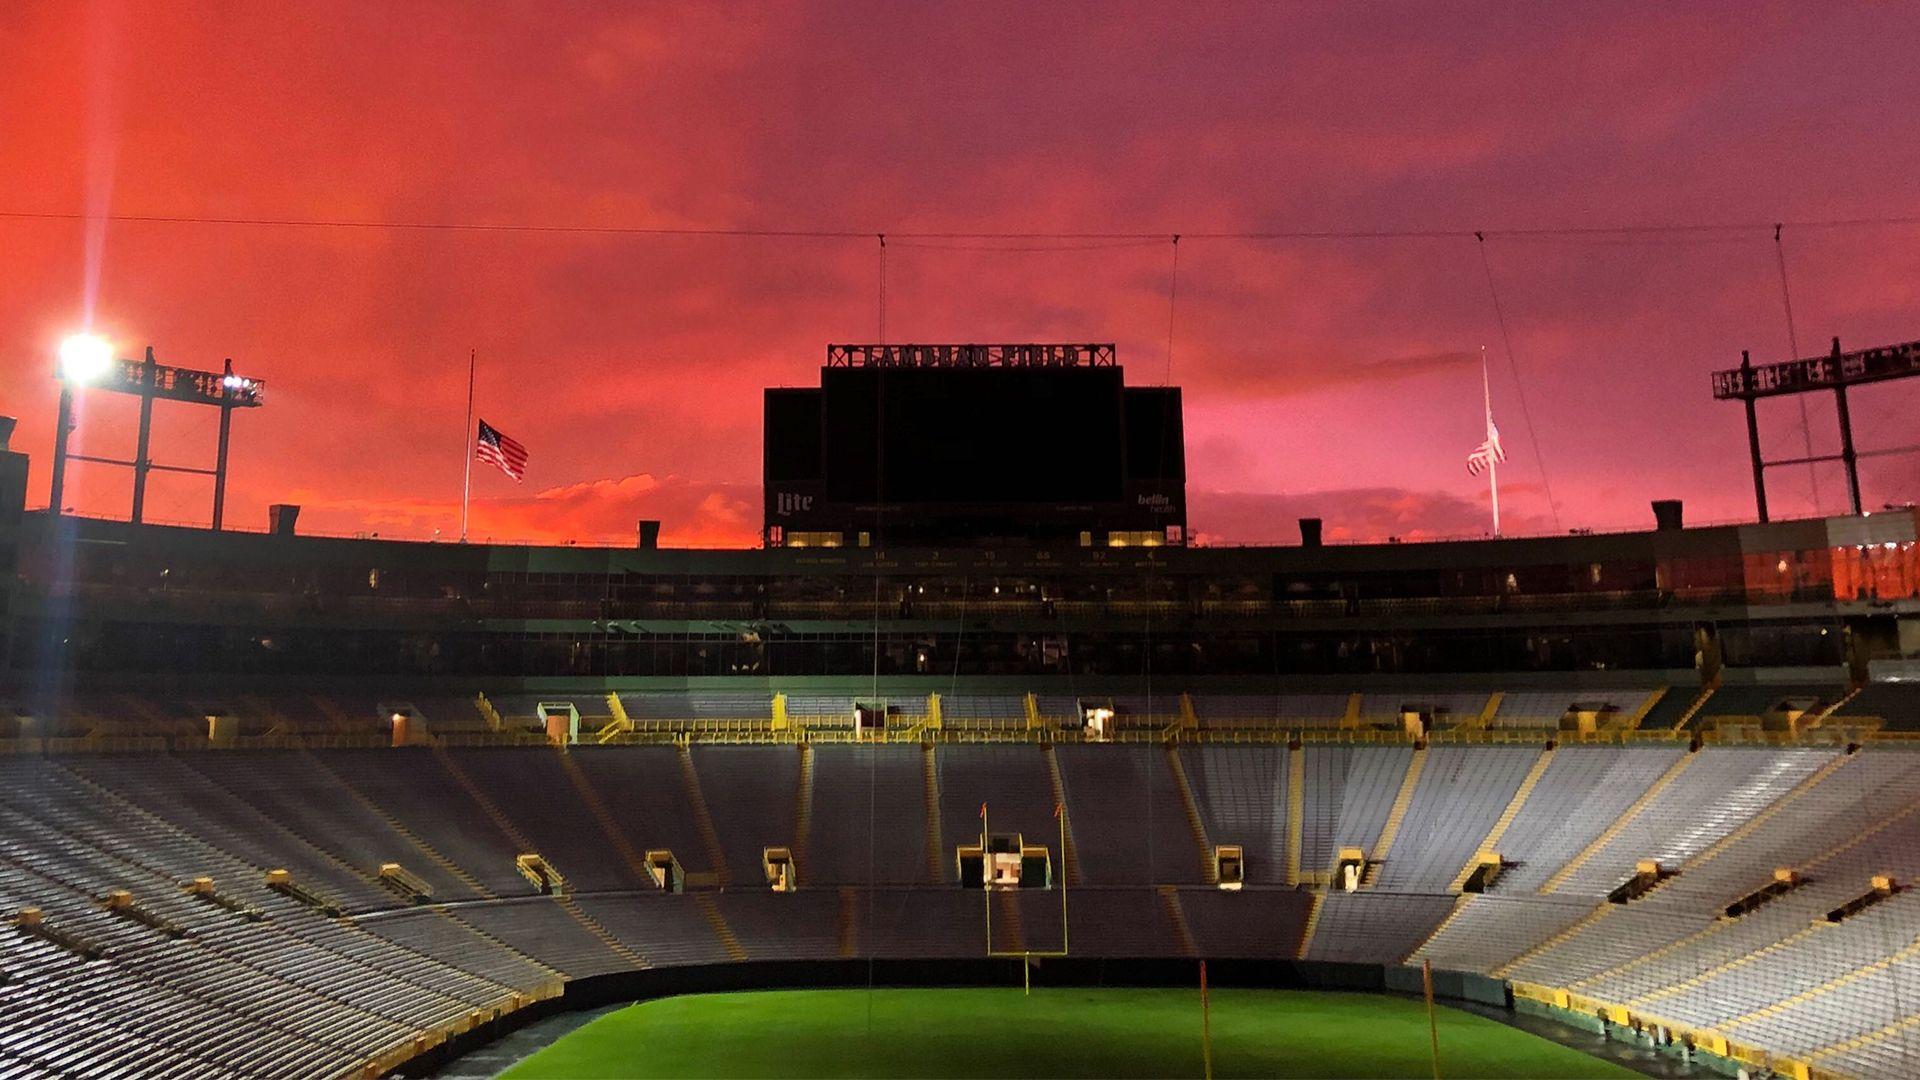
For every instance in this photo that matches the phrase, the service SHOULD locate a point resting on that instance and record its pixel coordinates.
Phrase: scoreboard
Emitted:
(945, 444)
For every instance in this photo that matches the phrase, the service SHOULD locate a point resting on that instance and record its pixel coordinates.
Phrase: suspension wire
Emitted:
(1520, 389)
(1173, 294)
(801, 233)
(1151, 576)
(1793, 342)
(1062, 246)
(873, 757)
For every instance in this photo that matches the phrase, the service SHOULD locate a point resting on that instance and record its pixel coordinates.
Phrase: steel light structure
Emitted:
(87, 362)
(1836, 371)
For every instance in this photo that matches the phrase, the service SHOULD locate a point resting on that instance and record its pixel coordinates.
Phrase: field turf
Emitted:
(1068, 1032)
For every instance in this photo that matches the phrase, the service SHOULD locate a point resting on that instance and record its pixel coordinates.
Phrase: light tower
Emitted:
(1836, 372)
(87, 360)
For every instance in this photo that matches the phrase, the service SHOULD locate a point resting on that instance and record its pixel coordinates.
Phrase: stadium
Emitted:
(968, 770)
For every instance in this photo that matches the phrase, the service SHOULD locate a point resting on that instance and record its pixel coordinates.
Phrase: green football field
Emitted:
(1056, 1032)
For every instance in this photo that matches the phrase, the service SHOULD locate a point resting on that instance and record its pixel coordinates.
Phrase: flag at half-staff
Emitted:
(1489, 454)
(501, 451)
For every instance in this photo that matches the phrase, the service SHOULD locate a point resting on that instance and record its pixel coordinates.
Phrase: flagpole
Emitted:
(1493, 468)
(466, 483)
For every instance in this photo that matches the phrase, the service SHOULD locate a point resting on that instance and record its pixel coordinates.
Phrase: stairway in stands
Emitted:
(616, 836)
(1491, 845)
(1755, 822)
(1600, 912)
(1699, 702)
(1619, 825)
(930, 806)
(1459, 905)
(1296, 809)
(1209, 873)
(1834, 709)
(427, 851)
(1631, 721)
(520, 842)
(1313, 923)
(1383, 847)
(1880, 1034)
(1746, 959)
(703, 820)
(803, 808)
(592, 926)
(1070, 856)
(1177, 914)
(1878, 969)
(711, 912)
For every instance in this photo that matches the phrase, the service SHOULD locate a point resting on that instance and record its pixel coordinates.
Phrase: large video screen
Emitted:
(973, 435)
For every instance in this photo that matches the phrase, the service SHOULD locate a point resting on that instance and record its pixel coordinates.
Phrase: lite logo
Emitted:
(785, 502)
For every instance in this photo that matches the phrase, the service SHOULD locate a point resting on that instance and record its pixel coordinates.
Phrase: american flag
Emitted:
(509, 456)
(1487, 454)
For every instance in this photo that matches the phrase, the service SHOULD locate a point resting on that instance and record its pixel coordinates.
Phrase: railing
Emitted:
(916, 730)
(210, 601)
(1708, 1039)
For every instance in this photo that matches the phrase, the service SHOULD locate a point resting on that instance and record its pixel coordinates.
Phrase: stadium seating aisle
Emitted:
(1461, 793)
(1719, 789)
(538, 796)
(413, 788)
(1242, 796)
(1138, 828)
(541, 927)
(1485, 932)
(1584, 791)
(169, 789)
(644, 789)
(262, 992)
(869, 819)
(352, 831)
(1348, 795)
(441, 932)
(751, 798)
(1365, 927)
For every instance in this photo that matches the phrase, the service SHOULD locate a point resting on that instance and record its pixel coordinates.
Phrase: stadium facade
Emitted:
(279, 804)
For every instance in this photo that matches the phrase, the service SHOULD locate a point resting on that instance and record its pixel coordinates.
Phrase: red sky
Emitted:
(1316, 370)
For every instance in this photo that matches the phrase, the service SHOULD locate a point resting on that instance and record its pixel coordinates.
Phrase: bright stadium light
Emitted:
(85, 357)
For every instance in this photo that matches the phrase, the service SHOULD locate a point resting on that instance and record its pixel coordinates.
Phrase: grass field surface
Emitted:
(1056, 1032)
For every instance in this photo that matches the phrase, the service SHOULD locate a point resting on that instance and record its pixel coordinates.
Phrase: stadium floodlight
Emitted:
(87, 364)
(84, 358)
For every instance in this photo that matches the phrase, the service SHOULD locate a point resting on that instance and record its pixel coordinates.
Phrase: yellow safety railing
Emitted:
(1169, 729)
(1708, 1039)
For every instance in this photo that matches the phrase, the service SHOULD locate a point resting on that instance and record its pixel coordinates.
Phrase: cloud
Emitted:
(604, 511)
(1304, 374)
(1348, 515)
